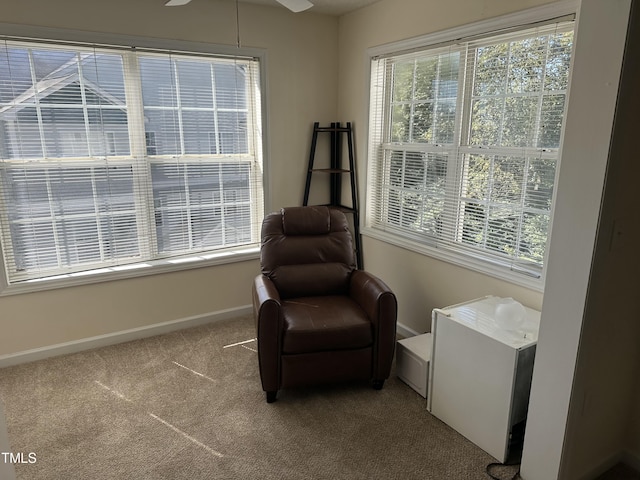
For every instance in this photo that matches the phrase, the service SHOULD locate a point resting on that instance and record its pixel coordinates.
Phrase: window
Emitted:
(463, 147)
(113, 157)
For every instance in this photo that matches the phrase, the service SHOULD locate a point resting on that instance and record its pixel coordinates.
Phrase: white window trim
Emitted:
(186, 262)
(107, 274)
(505, 23)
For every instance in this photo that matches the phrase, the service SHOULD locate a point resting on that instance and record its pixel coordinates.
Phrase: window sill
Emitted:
(450, 256)
(142, 269)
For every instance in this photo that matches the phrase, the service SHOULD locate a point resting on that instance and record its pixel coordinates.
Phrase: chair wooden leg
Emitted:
(271, 396)
(378, 384)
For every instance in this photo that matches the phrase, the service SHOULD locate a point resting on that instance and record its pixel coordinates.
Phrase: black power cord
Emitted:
(501, 471)
(492, 467)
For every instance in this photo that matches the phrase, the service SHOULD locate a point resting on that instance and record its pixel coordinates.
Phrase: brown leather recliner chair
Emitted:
(318, 319)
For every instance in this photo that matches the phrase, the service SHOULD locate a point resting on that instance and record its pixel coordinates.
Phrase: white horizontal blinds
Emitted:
(66, 168)
(464, 144)
(200, 118)
(516, 89)
(377, 191)
(110, 157)
(420, 96)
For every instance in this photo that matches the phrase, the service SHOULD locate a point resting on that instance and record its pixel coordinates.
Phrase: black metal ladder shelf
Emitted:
(335, 172)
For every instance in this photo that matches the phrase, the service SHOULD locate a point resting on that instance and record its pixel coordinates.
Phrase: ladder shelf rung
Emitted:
(330, 170)
(333, 129)
(342, 208)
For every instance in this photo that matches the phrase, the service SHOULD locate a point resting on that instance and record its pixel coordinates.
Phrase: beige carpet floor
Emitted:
(188, 405)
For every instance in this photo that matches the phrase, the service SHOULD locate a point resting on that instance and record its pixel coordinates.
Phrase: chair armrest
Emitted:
(380, 304)
(373, 296)
(264, 290)
(268, 319)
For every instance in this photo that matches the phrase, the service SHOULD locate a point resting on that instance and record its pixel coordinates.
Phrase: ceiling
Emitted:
(328, 7)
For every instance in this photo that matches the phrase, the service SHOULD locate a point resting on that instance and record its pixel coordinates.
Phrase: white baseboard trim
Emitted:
(121, 336)
(141, 332)
(404, 331)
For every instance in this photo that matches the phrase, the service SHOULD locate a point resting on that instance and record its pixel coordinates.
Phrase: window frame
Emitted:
(510, 23)
(162, 265)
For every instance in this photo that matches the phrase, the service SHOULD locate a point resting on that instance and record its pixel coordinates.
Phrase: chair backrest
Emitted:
(307, 251)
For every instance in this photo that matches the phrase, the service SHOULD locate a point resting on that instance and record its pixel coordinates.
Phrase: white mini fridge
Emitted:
(480, 373)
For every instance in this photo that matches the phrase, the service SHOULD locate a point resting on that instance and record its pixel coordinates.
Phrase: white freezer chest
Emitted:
(480, 373)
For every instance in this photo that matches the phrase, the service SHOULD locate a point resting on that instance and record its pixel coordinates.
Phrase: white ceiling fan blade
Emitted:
(296, 5)
(176, 3)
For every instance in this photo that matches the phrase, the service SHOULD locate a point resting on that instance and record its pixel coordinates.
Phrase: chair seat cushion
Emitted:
(332, 322)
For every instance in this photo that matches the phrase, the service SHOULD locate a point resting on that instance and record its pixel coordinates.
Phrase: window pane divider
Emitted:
(509, 151)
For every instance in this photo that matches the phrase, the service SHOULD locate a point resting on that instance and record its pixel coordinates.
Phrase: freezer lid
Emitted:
(480, 315)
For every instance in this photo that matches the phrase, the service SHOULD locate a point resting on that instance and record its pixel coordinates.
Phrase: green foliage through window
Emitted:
(466, 146)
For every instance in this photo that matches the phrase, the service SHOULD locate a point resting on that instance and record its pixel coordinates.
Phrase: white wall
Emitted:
(608, 364)
(549, 447)
(422, 283)
(301, 88)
